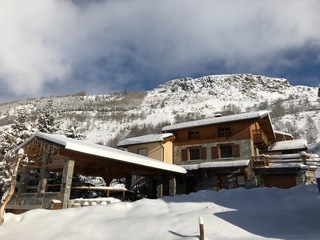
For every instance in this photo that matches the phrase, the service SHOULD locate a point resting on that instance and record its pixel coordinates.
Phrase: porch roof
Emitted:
(100, 158)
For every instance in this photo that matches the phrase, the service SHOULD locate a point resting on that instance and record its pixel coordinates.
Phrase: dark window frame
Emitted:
(224, 132)
(225, 151)
(193, 135)
(194, 153)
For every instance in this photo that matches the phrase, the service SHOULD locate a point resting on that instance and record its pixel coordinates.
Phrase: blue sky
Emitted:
(57, 47)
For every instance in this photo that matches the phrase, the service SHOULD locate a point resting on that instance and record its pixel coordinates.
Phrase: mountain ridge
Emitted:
(107, 119)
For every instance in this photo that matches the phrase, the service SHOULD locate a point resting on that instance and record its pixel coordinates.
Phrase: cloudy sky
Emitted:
(57, 47)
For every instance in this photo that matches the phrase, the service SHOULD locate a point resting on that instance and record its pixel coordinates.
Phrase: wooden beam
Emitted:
(66, 182)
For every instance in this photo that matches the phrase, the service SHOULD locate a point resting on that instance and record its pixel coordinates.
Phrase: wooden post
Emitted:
(172, 186)
(44, 172)
(159, 188)
(66, 181)
(304, 157)
(201, 228)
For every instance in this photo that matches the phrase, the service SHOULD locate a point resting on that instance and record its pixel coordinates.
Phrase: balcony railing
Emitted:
(269, 160)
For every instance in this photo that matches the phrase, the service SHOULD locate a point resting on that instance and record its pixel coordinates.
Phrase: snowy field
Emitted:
(263, 213)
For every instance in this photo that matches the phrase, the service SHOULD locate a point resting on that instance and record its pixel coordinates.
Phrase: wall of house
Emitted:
(154, 150)
(210, 134)
(168, 152)
(157, 150)
(246, 150)
(214, 179)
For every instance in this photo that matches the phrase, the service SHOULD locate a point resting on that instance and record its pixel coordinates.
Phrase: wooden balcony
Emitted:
(276, 160)
(260, 139)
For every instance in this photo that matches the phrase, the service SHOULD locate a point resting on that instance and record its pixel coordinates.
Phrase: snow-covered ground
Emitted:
(263, 213)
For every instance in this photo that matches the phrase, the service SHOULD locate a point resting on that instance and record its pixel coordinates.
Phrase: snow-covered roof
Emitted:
(220, 164)
(145, 139)
(109, 153)
(288, 165)
(217, 120)
(289, 145)
(283, 133)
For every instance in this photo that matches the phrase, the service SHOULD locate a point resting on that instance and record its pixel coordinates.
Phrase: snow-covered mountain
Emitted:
(106, 119)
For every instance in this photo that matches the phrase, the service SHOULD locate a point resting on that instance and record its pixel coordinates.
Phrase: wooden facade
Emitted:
(227, 152)
(228, 140)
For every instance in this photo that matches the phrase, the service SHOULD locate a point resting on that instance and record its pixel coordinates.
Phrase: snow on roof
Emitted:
(289, 145)
(220, 164)
(217, 120)
(288, 165)
(144, 139)
(108, 152)
(282, 133)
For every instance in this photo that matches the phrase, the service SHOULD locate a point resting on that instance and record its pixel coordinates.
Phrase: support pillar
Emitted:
(66, 182)
(159, 188)
(23, 181)
(172, 186)
(44, 172)
(128, 182)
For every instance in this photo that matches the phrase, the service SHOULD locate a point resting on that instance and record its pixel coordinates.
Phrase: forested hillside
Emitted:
(107, 119)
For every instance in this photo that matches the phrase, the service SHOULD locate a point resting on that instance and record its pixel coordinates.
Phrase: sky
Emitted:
(58, 47)
(261, 213)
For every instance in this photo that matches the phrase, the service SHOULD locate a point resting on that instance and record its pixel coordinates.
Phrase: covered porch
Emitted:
(54, 155)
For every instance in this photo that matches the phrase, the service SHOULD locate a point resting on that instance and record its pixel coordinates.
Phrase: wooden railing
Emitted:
(267, 160)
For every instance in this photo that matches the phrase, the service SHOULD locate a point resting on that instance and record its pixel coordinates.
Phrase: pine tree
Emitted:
(74, 132)
(11, 156)
(19, 131)
(47, 120)
(311, 130)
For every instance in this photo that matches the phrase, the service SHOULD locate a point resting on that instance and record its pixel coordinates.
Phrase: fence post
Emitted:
(201, 228)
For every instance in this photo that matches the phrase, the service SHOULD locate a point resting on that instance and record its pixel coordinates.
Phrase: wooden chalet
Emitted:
(68, 157)
(221, 152)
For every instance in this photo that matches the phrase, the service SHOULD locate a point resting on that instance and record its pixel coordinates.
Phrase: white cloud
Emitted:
(49, 41)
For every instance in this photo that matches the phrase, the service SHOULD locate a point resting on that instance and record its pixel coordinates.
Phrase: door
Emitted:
(280, 181)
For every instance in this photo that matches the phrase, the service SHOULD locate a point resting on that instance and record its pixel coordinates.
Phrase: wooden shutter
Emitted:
(215, 152)
(203, 153)
(184, 154)
(236, 150)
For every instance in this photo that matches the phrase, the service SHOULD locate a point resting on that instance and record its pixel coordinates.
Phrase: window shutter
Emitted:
(184, 154)
(215, 152)
(203, 153)
(236, 150)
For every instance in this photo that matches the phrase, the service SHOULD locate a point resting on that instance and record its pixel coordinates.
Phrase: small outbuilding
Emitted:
(58, 154)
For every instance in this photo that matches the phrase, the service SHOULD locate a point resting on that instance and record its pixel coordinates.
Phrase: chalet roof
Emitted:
(109, 155)
(145, 139)
(217, 120)
(298, 144)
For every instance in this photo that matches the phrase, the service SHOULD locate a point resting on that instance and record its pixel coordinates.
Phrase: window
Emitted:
(143, 151)
(226, 151)
(193, 135)
(194, 153)
(224, 132)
